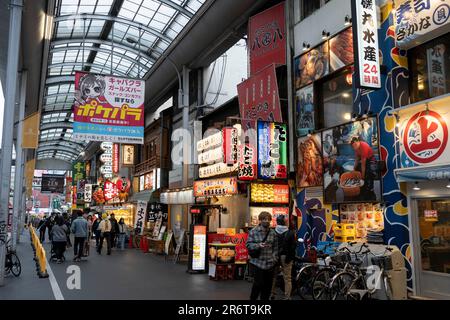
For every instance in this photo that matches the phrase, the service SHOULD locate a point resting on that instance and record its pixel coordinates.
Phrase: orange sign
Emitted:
(215, 187)
(199, 229)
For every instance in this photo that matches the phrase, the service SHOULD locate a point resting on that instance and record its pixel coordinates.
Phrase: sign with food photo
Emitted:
(312, 65)
(351, 162)
(309, 165)
(341, 50)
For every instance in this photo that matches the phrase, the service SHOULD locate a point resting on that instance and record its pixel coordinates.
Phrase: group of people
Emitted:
(271, 250)
(83, 226)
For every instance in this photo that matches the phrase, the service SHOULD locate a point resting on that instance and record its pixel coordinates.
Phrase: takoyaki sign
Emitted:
(424, 136)
(108, 109)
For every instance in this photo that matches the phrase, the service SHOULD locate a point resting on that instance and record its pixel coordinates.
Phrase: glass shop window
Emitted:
(335, 96)
(429, 66)
(307, 7)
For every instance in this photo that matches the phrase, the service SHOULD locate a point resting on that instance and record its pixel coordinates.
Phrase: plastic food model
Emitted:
(225, 254)
(212, 253)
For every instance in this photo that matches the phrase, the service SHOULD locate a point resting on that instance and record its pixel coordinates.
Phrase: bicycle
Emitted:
(358, 290)
(323, 286)
(12, 261)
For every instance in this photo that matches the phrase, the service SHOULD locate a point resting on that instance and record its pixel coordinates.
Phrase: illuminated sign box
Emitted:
(269, 193)
(216, 187)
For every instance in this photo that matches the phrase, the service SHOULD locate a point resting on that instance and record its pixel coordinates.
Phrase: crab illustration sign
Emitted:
(108, 109)
(424, 138)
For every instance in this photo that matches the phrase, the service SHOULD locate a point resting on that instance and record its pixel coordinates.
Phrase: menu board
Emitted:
(275, 212)
(199, 249)
(365, 216)
(269, 193)
(215, 187)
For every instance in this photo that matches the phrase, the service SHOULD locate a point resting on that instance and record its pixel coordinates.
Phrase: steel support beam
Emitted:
(152, 31)
(18, 178)
(81, 64)
(177, 7)
(52, 125)
(59, 148)
(16, 7)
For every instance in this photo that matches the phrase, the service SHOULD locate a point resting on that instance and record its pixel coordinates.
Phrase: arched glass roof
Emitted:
(119, 37)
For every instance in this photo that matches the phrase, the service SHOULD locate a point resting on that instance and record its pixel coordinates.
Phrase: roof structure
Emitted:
(113, 37)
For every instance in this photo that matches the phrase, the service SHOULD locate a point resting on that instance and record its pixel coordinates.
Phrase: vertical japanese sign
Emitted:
(88, 193)
(199, 249)
(108, 109)
(272, 150)
(128, 155)
(30, 131)
(259, 98)
(230, 145)
(436, 70)
(267, 38)
(417, 21)
(141, 210)
(78, 172)
(116, 157)
(107, 159)
(248, 163)
(365, 44)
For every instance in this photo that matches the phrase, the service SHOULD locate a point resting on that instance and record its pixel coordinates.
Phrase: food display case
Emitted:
(222, 253)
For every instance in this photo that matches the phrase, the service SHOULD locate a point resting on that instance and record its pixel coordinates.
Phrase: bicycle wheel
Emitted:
(320, 289)
(16, 267)
(357, 290)
(304, 281)
(340, 285)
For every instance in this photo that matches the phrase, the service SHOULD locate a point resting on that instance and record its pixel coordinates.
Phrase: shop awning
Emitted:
(436, 172)
(141, 196)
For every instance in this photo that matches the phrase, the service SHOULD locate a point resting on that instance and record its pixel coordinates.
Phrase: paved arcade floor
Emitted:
(128, 274)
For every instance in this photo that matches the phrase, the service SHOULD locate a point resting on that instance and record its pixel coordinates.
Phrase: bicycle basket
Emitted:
(384, 262)
(341, 257)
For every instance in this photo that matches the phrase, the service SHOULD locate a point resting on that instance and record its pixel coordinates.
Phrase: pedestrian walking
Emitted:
(59, 236)
(80, 230)
(105, 234)
(287, 245)
(96, 231)
(262, 245)
(114, 230)
(122, 233)
(41, 227)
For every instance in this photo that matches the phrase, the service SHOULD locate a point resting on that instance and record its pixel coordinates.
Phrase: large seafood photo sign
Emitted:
(108, 109)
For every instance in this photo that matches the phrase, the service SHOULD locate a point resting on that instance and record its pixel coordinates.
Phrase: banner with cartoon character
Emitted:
(108, 109)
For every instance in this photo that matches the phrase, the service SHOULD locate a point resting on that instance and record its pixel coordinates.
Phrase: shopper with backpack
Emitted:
(287, 245)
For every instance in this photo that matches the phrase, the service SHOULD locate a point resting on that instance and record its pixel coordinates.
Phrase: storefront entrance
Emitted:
(431, 239)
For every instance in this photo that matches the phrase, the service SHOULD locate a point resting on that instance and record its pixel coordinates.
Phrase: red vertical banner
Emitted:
(259, 98)
(230, 145)
(267, 36)
(116, 158)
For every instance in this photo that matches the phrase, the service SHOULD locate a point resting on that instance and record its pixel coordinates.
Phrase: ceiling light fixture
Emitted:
(416, 186)
(448, 185)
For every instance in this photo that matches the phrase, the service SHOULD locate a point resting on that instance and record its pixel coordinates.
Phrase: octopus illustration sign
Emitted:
(108, 108)
(424, 137)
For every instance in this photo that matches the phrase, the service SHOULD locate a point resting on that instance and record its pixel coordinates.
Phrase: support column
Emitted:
(186, 141)
(15, 25)
(18, 179)
(289, 9)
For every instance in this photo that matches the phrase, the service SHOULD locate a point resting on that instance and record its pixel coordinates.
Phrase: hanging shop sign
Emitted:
(128, 155)
(214, 140)
(437, 82)
(365, 43)
(108, 109)
(259, 98)
(275, 212)
(141, 183)
(269, 193)
(267, 38)
(78, 172)
(199, 249)
(107, 159)
(215, 170)
(141, 211)
(80, 192)
(157, 211)
(431, 215)
(215, 187)
(309, 161)
(230, 145)
(211, 156)
(110, 190)
(116, 157)
(343, 148)
(248, 162)
(30, 131)
(52, 183)
(424, 135)
(88, 193)
(272, 150)
(149, 181)
(418, 21)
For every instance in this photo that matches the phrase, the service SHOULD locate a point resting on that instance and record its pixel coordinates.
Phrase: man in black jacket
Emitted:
(114, 229)
(287, 245)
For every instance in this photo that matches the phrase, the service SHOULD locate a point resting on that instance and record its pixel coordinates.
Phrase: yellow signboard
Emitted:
(29, 174)
(30, 136)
